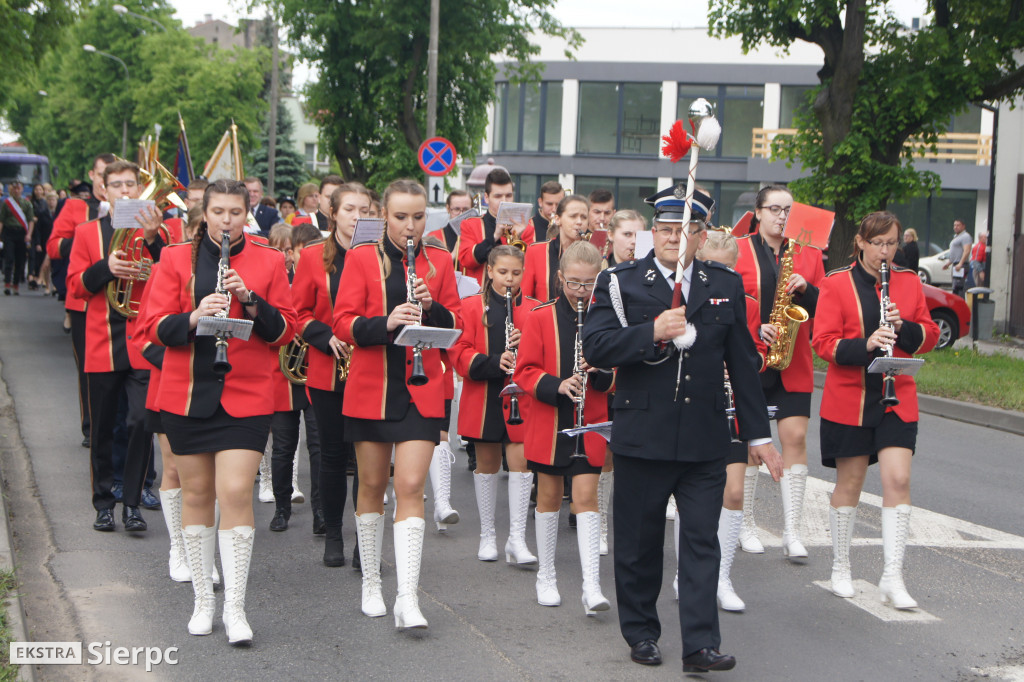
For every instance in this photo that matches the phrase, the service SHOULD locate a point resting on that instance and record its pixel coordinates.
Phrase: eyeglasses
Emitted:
(666, 231)
(884, 245)
(576, 286)
(778, 210)
(118, 184)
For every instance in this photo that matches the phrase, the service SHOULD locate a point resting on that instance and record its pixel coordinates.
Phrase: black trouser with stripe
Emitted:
(78, 347)
(104, 389)
(284, 431)
(335, 454)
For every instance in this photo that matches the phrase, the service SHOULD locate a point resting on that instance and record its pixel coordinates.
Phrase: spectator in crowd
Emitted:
(17, 220)
(978, 255)
(911, 249)
(44, 223)
(959, 253)
(286, 207)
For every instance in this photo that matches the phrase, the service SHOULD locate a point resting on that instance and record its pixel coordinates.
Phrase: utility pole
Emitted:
(435, 12)
(272, 123)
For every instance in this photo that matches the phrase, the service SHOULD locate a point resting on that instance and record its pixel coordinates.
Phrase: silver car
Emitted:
(929, 269)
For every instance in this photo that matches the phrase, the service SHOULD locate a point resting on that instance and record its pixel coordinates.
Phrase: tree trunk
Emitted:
(840, 245)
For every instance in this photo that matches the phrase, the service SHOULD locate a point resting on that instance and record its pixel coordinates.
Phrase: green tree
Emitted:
(289, 165)
(30, 27)
(370, 99)
(89, 96)
(880, 85)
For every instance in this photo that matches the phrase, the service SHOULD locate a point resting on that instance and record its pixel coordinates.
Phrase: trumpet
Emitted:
(514, 418)
(889, 398)
(221, 366)
(579, 420)
(418, 376)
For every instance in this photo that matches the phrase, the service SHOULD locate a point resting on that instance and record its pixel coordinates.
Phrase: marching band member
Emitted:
(551, 192)
(480, 235)
(857, 430)
(292, 406)
(540, 280)
(602, 206)
(552, 370)
(622, 234)
(73, 213)
(108, 363)
(218, 425)
(763, 255)
(315, 290)
(457, 203)
(390, 413)
(485, 361)
(670, 431)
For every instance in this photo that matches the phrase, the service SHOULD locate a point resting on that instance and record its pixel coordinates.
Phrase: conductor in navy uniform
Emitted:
(670, 433)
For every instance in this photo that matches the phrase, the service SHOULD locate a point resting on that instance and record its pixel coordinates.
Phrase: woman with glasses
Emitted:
(540, 279)
(551, 369)
(763, 254)
(856, 429)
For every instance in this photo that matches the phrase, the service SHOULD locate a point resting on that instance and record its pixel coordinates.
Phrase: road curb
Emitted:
(15, 611)
(957, 410)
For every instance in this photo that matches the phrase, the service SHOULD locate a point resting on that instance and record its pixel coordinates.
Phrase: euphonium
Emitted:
(786, 316)
(418, 376)
(579, 420)
(293, 361)
(514, 417)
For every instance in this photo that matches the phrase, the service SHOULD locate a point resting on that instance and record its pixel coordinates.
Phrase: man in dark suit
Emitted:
(670, 433)
(266, 217)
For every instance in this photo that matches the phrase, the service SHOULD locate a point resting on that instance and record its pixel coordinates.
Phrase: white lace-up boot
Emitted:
(895, 528)
(236, 555)
(441, 484)
(408, 554)
(675, 543)
(794, 483)
(297, 496)
(177, 564)
(841, 521)
(729, 523)
(266, 480)
(546, 527)
(749, 542)
(370, 529)
(604, 493)
(486, 486)
(588, 539)
(516, 550)
(200, 543)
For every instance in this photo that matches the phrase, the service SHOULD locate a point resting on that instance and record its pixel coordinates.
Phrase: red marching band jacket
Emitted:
(311, 294)
(799, 376)
(72, 214)
(151, 354)
(539, 371)
(477, 399)
(248, 389)
(364, 297)
(841, 319)
(472, 233)
(537, 271)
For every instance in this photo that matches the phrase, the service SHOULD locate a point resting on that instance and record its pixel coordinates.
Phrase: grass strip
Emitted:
(8, 584)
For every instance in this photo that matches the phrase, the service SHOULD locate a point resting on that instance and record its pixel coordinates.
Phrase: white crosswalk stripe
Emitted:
(869, 598)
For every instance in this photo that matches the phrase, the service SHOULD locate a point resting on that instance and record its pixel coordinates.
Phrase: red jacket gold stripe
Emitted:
(471, 234)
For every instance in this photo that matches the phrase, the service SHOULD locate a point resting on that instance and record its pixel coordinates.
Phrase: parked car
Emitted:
(949, 312)
(929, 269)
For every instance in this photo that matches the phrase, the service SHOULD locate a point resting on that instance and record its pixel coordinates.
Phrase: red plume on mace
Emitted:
(677, 143)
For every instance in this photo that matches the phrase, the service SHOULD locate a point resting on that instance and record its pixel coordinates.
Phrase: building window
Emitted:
(933, 217)
(629, 192)
(528, 117)
(619, 118)
(794, 98)
(732, 200)
(528, 188)
(739, 108)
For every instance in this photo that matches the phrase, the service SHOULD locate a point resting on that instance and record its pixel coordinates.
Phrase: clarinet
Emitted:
(730, 410)
(418, 376)
(514, 418)
(221, 366)
(889, 398)
(579, 421)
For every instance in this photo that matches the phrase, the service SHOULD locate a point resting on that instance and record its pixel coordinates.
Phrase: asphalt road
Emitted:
(964, 566)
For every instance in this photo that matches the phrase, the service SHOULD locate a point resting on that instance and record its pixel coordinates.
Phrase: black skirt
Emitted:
(787, 404)
(153, 422)
(843, 440)
(575, 466)
(413, 426)
(221, 431)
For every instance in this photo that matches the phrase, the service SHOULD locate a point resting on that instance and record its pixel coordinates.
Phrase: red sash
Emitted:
(16, 210)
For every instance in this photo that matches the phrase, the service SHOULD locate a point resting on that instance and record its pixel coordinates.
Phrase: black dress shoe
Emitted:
(645, 652)
(86, 442)
(132, 519)
(280, 521)
(707, 660)
(319, 527)
(149, 500)
(334, 550)
(104, 520)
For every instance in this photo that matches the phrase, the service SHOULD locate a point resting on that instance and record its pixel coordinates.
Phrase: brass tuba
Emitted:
(786, 316)
(160, 188)
(293, 361)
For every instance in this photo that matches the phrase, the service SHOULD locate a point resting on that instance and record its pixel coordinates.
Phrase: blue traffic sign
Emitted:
(437, 156)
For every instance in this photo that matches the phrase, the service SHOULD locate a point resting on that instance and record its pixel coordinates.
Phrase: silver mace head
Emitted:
(706, 127)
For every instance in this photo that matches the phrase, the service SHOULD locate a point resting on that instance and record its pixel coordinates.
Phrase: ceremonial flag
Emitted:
(183, 160)
(226, 161)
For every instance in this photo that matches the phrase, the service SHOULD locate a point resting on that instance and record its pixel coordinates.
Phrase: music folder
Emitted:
(512, 389)
(603, 429)
(367, 230)
(125, 212)
(422, 337)
(895, 366)
(233, 328)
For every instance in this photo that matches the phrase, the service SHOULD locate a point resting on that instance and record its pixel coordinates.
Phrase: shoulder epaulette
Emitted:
(439, 247)
(619, 267)
(720, 266)
(547, 304)
(899, 268)
(264, 245)
(845, 268)
(358, 246)
(176, 244)
(315, 242)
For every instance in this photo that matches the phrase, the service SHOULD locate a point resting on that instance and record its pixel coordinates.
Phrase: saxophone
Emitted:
(786, 316)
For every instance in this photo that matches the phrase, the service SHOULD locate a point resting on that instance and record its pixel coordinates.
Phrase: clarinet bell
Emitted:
(418, 377)
(889, 398)
(514, 418)
(221, 366)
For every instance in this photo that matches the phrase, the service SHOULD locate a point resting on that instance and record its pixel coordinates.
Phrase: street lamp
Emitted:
(121, 9)
(124, 121)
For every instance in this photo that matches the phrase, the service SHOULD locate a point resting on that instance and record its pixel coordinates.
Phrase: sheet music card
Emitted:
(125, 211)
(234, 328)
(367, 230)
(603, 429)
(895, 366)
(809, 225)
(456, 222)
(510, 213)
(418, 336)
